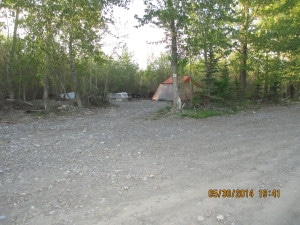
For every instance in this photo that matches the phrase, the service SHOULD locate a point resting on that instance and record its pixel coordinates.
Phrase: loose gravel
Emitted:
(124, 165)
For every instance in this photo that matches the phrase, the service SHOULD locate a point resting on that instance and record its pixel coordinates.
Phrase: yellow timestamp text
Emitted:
(231, 193)
(266, 193)
(243, 193)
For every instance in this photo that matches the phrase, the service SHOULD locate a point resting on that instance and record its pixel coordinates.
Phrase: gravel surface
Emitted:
(122, 166)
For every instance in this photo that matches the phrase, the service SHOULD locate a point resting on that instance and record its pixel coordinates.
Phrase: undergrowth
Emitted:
(210, 110)
(218, 109)
(163, 111)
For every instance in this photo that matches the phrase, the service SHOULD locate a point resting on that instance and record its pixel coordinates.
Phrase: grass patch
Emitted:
(212, 109)
(204, 113)
(219, 109)
(163, 111)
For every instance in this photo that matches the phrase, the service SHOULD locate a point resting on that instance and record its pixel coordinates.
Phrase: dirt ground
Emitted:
(120, 166)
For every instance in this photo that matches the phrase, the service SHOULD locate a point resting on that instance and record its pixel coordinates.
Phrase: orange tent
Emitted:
(164, 91)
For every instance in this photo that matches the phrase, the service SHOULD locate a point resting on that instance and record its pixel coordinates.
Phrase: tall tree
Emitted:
(280, 45)
(15, 7)
(43, 23)
(245, 23)
(207, 34)
(246, 17)
(169, 15)
(80, 21)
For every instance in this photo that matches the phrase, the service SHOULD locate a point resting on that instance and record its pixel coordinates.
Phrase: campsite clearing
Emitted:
(118, 165)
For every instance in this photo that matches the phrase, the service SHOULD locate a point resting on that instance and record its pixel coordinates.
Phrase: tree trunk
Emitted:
(9, 81)
(266, 78)
(46, 81)
(11, 59)
(174, 61)
(24, 93)
(49, 39)
(243, 70)
(244, 48)
(207, 73)
(74, 72)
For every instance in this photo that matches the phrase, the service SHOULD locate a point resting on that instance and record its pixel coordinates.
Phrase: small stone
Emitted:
(125, 188)
(2, 217)
(51, 213)
(151, 176)
(200, 218)
(220, 217)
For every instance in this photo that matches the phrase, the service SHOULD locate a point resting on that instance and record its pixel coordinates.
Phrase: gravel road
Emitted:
(121, 166)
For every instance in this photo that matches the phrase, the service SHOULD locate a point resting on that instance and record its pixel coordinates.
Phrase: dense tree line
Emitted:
(236, 49)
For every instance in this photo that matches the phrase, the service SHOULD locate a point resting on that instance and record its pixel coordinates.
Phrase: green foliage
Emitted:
(220, 109)
(58, 32)
(208, 39)
(157, 71)
(222, 85)
(217, 42)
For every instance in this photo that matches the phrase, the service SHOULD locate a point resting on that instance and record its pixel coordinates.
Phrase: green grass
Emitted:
(199, 114)
(219, 109)
(213, 109)
(163, 111)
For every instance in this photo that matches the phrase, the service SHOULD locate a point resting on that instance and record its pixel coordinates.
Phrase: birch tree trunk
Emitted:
(74, 72)
(47, 73)
(174, 62)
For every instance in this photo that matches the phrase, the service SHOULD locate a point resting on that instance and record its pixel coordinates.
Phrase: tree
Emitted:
(277, 47)
(79, 21)
(246, 17)
(74, 24)
(129, 71)
(43, 23)
(169, 15)
(14, 6)
(207, 34)
(158, 70)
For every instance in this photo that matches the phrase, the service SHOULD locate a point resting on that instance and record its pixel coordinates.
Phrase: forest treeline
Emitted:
(235, 49)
